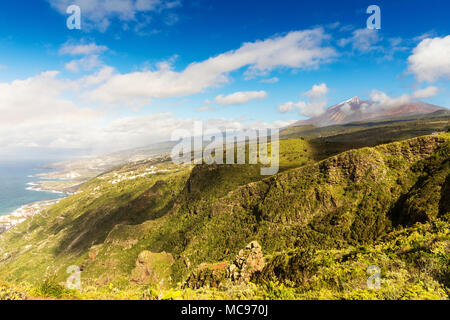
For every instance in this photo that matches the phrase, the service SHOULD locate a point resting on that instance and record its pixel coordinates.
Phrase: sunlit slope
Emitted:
(186, 215)
(346, 199)
(119, 213)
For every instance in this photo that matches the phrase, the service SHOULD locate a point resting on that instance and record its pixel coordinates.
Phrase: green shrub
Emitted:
(7, 293)
(50, 288)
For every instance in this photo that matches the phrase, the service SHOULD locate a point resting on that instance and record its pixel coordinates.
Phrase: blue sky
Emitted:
(138, 69)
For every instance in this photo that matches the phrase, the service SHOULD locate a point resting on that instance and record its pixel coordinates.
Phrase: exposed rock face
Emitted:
(248, 261)
(93, 252)
(152, 268)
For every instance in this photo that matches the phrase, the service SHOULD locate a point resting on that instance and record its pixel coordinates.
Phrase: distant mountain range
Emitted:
(356, 109)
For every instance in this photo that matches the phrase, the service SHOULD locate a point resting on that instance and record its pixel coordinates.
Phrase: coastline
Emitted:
(57, 182)
(38, 186)
(23, 213)
(63, 180)
(61, 187)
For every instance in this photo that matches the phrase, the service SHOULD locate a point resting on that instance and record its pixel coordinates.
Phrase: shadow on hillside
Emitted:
(444, 203)
(204, 184)
(93, 227)
(407, 213)
(328, 146)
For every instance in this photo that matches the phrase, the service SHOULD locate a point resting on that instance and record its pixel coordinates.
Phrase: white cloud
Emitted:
(205, 108)
(81, 49)
(314, 107)
(363, 40)
(317, 91)
(430, 60)
(297, 49)
(347, 109)
(94, 79)
(116, 135)
(90, 53)
(428, 92)
(86, 64)
(37, 99)
(46, 111)
(238, 98)
(37, 112)
(429, 34)
(333, 25)
(270, 80)
(286, 107)
(346, 28)
(383, 101)
(100, 13)
(40, 112)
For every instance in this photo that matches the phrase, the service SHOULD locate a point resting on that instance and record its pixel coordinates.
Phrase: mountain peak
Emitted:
(356, 109)
(355, 99)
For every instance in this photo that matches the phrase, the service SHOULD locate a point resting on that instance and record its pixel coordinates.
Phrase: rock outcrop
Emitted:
(207, 275)
(152, 268)
(248, 261)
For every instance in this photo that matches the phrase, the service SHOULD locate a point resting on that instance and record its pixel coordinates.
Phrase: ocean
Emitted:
(14, 181)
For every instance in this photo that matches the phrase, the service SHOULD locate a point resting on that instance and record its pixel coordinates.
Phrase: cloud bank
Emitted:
(295, 50)
(239, 98)
(430, 60)
(314, 107)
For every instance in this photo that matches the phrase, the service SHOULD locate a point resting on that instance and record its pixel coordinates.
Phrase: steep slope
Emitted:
(413, 264)
(182, 217)
(356, 109)
(346, 199)
(430, 195)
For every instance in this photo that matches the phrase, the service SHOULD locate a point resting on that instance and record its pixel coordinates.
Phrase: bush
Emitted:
(50, 288)
(277, 291)
(6, 293)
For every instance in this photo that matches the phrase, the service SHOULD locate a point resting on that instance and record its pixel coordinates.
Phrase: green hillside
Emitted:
(318, 224)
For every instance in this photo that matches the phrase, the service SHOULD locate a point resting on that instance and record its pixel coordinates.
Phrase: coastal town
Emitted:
(61, 184)
(23, 213)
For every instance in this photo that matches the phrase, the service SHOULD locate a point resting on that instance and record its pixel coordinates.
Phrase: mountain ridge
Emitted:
(357, 109)
(183, 225)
